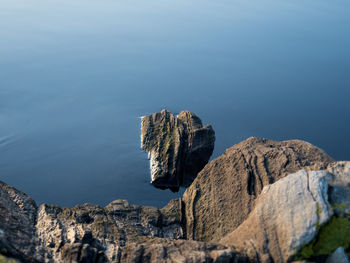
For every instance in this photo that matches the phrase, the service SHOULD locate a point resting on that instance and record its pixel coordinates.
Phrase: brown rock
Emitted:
(178, 147)
(224, 192)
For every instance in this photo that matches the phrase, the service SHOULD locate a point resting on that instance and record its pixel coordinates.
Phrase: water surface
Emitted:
(75, 76)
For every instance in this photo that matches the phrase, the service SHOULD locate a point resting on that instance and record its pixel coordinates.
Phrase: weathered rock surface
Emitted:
(339, 186)
(338, 256)
(17, 220)
(95, 232)
(119, 232)
(181, 251)
(253, 199)
(224, 192)
(178, 147)
(287, 215)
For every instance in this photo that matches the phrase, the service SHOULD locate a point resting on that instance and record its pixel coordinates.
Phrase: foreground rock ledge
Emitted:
(178, 147)
(119, 232)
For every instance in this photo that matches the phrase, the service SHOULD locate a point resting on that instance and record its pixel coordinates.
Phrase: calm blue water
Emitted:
(76, 75)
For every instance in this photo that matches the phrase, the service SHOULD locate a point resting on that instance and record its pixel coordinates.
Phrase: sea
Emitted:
(77, 75)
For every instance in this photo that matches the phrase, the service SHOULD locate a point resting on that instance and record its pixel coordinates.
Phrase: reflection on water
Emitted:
(76, 75)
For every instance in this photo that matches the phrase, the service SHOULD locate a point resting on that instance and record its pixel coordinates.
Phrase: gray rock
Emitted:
(339, 186)
(338, 256)
(100, 233)
(178, 147)
(119, 232)
(17, 221)
(181, 251)
(286, 216)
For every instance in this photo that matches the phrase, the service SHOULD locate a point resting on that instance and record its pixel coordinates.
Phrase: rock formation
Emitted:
(286, 215)
(178, 147)
(224, 192)
(261, 201)
(119, 233)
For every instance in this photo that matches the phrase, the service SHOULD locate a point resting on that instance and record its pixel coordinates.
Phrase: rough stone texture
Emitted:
(119, 232)
(181, 251)
(338, 256)
(178, 147)
(17, 219)
(99, 234)
(286, 216)
(339, 186)
(224, 192)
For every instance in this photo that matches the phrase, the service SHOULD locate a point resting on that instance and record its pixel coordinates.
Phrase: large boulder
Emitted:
(287, 215)
(290, 216)
(178, 147)
(224, 192)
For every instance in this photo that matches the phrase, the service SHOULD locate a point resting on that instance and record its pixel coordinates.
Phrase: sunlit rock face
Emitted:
(178, 147)
(286, 216)
(224, 192)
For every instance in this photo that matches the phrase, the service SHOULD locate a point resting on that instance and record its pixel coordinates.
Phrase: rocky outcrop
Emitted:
(119, 232)
(224, 192)
(101, 233)
(287, 215)
(178, 147)
(259, 201)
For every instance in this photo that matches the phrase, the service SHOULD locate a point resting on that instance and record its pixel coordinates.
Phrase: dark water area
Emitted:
(75, 76)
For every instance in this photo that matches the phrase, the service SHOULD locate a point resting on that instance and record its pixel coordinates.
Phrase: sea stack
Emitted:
(178, 147)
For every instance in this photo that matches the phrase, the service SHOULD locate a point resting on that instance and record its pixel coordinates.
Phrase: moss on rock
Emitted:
(333, 234)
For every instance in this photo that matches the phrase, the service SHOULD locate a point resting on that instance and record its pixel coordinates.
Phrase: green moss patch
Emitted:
(334, 234)
(4, 259)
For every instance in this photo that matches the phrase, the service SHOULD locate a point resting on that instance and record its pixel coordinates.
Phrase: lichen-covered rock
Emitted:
(224, 192)
(178, 147)
(286, 215)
